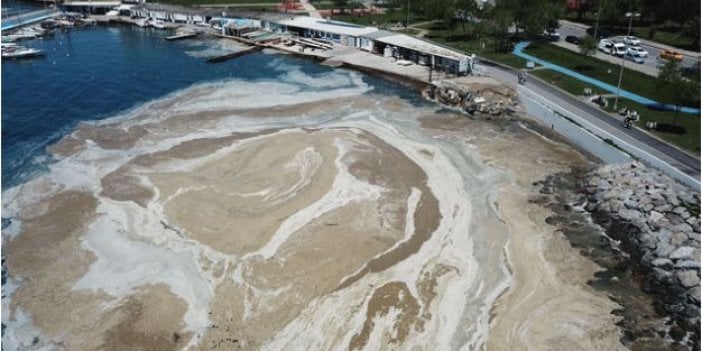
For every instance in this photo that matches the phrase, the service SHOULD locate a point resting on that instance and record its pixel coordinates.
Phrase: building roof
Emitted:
(408, 42)
(379, 34)
(328, 26)
(92, 3)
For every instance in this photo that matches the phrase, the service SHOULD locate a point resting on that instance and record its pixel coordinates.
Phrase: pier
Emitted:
(181, 36)
(13, 22)
(233, 55)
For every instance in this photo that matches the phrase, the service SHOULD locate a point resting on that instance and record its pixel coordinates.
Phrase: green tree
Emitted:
(588, 45)
(676, 89)
(533, 16)
(691, 30)
(340, 4)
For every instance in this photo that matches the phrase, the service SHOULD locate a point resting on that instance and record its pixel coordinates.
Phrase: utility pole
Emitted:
(631, 16)
(599, 11)
(407, 22)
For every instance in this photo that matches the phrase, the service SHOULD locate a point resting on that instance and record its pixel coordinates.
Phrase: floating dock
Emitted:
(181, 36)
(233, 55)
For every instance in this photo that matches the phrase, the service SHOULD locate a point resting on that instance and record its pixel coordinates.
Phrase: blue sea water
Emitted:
(97, 72)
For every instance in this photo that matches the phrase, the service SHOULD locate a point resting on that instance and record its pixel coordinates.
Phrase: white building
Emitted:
(342, 33)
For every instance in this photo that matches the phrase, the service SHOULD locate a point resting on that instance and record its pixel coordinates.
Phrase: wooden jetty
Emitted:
(235, 54)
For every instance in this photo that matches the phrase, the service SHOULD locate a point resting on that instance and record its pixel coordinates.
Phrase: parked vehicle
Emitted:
(618, 49)
(572, 39)
(634, 58)
(613, 48)
(605, 45)
(671, 55)
(551, 35)
(638, 51)
(631, 40)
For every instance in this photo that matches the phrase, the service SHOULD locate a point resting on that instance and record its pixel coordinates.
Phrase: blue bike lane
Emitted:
(519, 51)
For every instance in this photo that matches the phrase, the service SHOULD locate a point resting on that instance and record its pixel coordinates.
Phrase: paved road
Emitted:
(654, 49)
(681, 160)
(650, 65)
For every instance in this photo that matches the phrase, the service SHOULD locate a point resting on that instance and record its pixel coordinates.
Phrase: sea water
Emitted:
(96, 72)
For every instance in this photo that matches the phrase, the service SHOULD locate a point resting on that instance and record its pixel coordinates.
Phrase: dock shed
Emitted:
(346, 34)
(423, 52)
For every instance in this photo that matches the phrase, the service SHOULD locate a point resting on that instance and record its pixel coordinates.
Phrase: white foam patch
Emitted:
(331, 321)
(124, 264)
(345, 189)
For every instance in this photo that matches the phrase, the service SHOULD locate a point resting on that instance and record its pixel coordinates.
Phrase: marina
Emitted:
(234, 55)
(365, 48)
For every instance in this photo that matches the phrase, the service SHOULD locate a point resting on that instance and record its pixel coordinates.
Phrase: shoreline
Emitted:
(648, 318)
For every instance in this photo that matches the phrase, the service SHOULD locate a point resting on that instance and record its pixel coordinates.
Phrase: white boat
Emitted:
(142, 22)
(20, 52)
(158, 24)
(16, 37)
(30, 32)
(64, 23)
(86, 21)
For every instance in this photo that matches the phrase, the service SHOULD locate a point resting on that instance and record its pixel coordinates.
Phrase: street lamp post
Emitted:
(599, 11)
(631, 16)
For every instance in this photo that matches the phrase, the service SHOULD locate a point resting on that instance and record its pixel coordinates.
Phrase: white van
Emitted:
(613, 48)
(618, 49)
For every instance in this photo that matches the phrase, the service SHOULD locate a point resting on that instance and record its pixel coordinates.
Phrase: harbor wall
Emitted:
(599, 142)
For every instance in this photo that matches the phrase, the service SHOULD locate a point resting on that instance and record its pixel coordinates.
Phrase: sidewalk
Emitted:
(310, 9)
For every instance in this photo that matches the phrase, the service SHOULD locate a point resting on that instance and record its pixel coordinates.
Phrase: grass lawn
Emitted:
(562, 81)
(633, 81)
(328, 5)
(380, 21)
(468, 43)
(680, 129)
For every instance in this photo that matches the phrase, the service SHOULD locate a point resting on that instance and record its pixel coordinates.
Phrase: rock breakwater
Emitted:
(656, 221)
(489, 99)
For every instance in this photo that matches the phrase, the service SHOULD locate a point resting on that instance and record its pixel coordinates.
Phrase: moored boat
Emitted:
(19, 52)
(158, 24)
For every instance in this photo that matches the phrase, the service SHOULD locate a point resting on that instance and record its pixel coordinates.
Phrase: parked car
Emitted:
(572, 39)
(551, 35)
(601, 33)
(632, 40)
(638, 51)
(634, 58)
(671, 55)
(605, 45)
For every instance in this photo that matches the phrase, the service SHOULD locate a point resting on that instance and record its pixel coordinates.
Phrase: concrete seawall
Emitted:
(599, 142)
